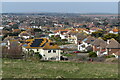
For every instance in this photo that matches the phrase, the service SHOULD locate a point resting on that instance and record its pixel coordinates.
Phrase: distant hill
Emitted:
(64, 14)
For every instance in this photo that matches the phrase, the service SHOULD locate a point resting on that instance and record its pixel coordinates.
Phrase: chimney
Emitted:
(8, 44)
(108, 41)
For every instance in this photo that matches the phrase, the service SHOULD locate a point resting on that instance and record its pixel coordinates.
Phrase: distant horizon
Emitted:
(61, 7)
(57, 13)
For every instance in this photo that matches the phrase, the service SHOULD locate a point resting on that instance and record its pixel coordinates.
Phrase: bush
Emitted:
(110, 56)
(37, 55)
(92, 54)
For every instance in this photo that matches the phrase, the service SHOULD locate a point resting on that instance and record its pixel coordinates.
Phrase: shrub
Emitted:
(37, 55)
(110, 56)
(31, 52)
(92, 54)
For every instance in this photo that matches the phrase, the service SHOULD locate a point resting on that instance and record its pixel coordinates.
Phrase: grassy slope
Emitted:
(28, 69)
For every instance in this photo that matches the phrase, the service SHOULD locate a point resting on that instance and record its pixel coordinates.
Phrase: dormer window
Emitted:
(49, 51)
(54, 51)
(37, 50)
(51, 44)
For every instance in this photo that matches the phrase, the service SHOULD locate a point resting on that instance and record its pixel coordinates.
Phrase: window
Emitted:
(109, 49)
(54, 51)
(37, 49)
(51, 44)
(49, 51)
(83, 45)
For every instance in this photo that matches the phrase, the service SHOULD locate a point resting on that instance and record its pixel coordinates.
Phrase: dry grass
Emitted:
(37, 69)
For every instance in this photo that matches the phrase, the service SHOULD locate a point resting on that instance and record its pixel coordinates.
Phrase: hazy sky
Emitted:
(66, 7)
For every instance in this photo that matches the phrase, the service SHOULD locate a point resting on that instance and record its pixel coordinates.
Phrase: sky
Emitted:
(60, 0)
(60, 7)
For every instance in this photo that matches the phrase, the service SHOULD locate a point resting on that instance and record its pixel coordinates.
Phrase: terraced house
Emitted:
(44, 46)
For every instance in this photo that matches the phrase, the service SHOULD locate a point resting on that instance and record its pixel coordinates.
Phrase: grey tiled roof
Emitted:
(98, 42)
(113, 44)
(89, 39)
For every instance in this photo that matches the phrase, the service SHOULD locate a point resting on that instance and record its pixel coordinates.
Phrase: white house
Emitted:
(114, 32)
(85, 44)
(75, 37)
(24, 34)
(45, 47)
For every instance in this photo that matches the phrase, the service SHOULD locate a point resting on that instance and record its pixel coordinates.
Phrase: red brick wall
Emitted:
(110, 51)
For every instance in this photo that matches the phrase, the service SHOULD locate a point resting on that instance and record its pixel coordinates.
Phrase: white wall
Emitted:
(45, 53)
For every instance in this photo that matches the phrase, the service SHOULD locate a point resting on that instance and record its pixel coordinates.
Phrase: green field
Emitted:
(38, 69)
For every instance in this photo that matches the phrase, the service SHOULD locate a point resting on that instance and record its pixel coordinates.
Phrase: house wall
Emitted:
(62, 36)
(46, 55)
(111, 51)
(26, 37)
(96, 48)
(113, 32)
(116, 56)
(72, 39)
(81, 48)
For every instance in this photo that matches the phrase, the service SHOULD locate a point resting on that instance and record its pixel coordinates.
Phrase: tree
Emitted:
(97, 34)
(105, 23)
(37, 30)
(37, 55)
(31, 53)
(109, 36)
(15, 26)
(84, 26)
(92, 54)
(118, 37)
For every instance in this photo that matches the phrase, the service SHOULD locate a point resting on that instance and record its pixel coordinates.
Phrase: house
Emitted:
(114, 31)
(12, 49)
(9, 38)
(62, 33)
(109, 47)
(25, 35)
(94, 29)
(99, 46)
(76, 37)
(85, 44)
(117, 54)
(113, 46)
(43, 46)
(16, 30)
(91, 25)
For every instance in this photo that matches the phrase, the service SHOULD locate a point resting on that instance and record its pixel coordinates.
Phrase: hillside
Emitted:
(37, 69)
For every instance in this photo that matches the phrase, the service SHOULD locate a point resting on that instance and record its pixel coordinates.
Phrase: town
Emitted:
(59, 40)
(59, 45)
(57, 36)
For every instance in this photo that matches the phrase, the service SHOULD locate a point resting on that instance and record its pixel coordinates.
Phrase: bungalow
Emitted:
(43, 46)
(113, 46)
(117, 54)
(25, 35)
(62, 33)
(12, 48)
(85, 44)
(114, 31)
(76, 37)
(94, 29)
(99, 46)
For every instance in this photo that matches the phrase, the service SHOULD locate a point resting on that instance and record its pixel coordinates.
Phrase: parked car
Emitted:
(76, 52)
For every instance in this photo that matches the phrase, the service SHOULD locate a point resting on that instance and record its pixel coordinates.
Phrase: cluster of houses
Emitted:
(86, 43)
(51, 51)
(76, 30)
(101, 47)
(45, 47)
